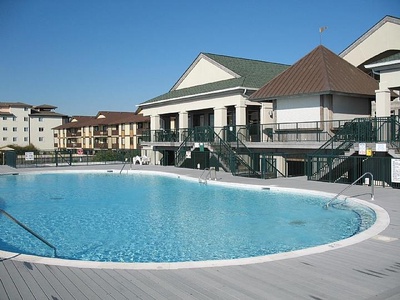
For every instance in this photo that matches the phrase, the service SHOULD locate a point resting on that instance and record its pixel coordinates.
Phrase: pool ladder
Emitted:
(210, 175)
(349, 186)
(29, 230)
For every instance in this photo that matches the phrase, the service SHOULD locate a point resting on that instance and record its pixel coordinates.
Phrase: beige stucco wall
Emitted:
(389, 79)
(47, 134)
(298, 109)
(203, 72)
(384, 38)
(19, 122)
(347, 108)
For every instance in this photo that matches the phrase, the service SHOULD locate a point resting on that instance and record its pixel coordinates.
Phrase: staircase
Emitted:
(332, 161)
(229, 159)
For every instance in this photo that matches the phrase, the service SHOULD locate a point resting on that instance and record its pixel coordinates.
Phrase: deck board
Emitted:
(133, 290)
(54, 282)
(7, 278)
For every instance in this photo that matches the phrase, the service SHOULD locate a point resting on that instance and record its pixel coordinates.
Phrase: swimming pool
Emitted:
(143, 217)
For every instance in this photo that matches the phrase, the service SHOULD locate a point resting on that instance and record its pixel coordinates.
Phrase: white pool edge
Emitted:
(381, 223)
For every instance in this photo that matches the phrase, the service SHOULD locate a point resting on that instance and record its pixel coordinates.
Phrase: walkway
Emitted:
(367, 270)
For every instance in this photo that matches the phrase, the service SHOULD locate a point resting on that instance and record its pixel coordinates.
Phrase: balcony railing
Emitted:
(314, 131)
(74, 145)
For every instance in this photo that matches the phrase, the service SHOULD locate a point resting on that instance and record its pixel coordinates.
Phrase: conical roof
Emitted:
(319, 72)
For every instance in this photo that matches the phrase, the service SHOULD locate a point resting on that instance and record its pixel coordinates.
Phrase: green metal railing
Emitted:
(314, 131)
(346, 169)
(329, 164)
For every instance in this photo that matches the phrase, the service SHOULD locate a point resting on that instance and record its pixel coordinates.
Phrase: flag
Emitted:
(322, 29)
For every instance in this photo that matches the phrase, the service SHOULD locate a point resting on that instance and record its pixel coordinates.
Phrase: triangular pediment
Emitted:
(202, 71)
(377, 43)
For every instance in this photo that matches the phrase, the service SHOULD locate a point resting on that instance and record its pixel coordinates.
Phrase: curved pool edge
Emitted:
(381, 223)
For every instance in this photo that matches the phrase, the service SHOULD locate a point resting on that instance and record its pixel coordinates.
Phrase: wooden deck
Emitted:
(367, 270)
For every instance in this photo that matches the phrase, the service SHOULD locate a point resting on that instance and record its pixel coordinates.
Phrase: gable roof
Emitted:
(319, 72)
(367, 34)
(248, 73)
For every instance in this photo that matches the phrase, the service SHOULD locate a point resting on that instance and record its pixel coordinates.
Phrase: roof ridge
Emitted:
(327, 77)
(243, 58)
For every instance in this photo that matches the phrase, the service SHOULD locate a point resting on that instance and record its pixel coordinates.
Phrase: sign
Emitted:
(380, 148)
(362, 148)
(369, 152)
(80, 151)
(29, 156)
(188, 154)
(396, 170)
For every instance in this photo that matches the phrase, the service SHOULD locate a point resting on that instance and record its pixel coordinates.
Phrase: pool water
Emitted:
(152, 218)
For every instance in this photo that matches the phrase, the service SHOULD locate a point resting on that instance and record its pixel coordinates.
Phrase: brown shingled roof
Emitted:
(319, 72)
(110, 118)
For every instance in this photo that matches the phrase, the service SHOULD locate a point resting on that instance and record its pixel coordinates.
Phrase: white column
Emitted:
(183, 123)
(155, 122)
(183, 119)
(382, 103)
(240, 114)
(220, 116)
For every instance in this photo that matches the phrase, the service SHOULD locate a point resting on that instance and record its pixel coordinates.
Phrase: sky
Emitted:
(85, 56)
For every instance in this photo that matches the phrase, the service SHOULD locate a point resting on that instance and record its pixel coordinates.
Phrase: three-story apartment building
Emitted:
(107, 130)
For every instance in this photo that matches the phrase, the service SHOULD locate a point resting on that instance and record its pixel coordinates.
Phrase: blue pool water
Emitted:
(152, 218)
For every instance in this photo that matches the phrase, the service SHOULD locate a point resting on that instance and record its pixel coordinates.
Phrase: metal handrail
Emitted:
(126, 159)
(29, 230)
(349, 186)
(211, 171)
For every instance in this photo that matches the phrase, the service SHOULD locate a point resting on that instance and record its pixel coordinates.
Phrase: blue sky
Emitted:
(89, 55)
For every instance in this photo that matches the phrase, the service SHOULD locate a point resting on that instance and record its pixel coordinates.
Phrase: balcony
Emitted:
(115, 132)
(70, 134)
(74, 145)
(99, 133)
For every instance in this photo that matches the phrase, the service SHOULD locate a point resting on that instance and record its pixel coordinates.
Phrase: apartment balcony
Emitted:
(74, 145)
(114, 146)
(100, 146)
(71, 134)
(100, 133)
(115, 132)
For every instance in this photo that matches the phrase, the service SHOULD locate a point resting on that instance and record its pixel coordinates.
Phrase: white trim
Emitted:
(195, 95)
(382, 64)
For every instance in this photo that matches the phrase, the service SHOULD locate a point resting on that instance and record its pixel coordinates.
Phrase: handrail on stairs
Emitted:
(349, 186)
(29, 230)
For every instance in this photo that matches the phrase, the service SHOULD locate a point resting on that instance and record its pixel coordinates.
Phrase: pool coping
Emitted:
(381, 223)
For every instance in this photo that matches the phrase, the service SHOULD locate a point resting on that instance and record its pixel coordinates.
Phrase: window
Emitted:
(4, 118)
(14, 139)
(25, 118)
(40, 129)
(14, 118)
(41, 139)
(40, 119)
(14, 129)
(26, 129)
(4, 128)
(25, 139)
(4, 138)
(25, 109)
